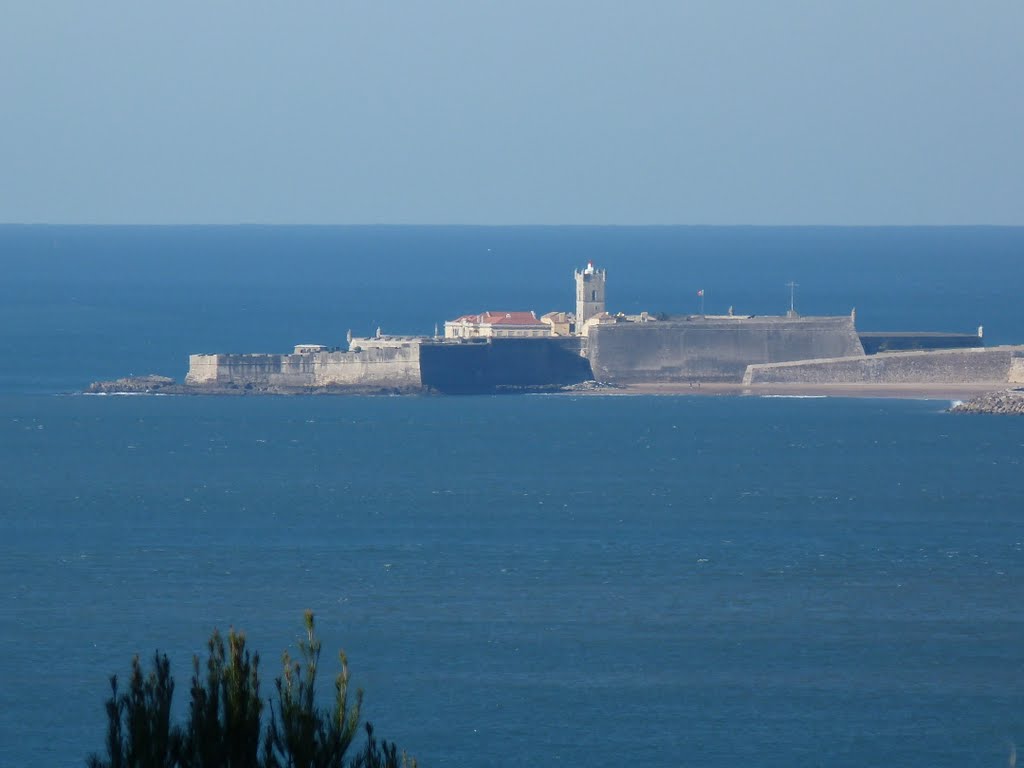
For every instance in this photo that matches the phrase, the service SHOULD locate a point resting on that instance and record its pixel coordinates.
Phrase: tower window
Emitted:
(593, 295)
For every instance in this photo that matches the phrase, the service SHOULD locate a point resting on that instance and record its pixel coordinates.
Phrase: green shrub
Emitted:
(226, 727)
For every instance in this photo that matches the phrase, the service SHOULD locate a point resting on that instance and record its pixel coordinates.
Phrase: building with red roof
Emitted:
(492, 325)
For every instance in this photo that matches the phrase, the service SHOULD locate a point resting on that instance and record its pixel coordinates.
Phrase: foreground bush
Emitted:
(226, 726)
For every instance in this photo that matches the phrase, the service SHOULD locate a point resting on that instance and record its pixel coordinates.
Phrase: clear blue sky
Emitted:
(513, 112)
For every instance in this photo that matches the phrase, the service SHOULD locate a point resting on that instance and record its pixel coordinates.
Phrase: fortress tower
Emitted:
(589, 294)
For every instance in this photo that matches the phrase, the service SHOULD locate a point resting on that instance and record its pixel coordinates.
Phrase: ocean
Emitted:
(521, 579)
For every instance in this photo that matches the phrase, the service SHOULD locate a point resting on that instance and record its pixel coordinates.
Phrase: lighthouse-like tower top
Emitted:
(590, 284)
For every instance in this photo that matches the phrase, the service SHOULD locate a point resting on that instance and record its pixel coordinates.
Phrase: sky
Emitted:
(518, 112)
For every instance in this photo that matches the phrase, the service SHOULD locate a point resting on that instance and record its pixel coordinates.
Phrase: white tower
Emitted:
(589, 294)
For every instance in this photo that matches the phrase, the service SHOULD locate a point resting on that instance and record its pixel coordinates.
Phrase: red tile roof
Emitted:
(510, 318)
(501, 318)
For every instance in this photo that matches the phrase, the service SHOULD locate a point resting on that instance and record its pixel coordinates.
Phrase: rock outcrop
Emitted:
(1009, 401)
(162, 385)
(133, 385)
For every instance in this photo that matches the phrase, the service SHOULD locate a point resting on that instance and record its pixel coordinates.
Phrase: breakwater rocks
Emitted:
(1009, 401)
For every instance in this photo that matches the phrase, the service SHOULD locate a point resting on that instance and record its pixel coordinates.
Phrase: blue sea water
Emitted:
(517, 580)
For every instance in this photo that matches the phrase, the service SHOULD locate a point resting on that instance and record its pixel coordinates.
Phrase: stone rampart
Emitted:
(203, 369)
(408, 365)
(262, 370)
(954, 366)
(384, 366)
(713, 349)
(502, 364)
(1017, 370)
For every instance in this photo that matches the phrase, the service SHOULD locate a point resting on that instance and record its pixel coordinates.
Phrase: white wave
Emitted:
(122, 394)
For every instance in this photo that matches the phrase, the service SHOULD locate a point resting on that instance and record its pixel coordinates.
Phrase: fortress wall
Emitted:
(295, 371)
(456, 368)
(1017, 370)
(383, 366)
(202, 369)
(537, 362)
(470, 367)
(254, 369)
(955, 366)
(713, 349)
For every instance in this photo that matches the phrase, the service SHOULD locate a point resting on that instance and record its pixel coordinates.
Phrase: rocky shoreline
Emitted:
(1008, 401)
(153, 384)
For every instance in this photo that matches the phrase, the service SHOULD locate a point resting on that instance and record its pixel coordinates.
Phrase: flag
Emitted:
(701, 293)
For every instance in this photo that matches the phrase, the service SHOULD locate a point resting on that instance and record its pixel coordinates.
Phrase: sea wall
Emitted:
(255, 370)
(391, 367)
(396, 366)
(956, 366)
(444, 366)
(713, 349)
(502, 364)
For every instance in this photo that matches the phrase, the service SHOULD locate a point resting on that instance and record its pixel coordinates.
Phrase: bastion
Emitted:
(385, 363)
(405, 364)
(713, 349)
(515, 350)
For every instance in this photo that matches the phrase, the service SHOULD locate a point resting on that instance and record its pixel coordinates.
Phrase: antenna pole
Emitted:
(792, 296)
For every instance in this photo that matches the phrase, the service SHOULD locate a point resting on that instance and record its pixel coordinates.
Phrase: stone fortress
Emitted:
(515, 350)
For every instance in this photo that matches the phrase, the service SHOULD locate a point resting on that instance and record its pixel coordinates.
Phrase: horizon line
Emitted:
(410, 225)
